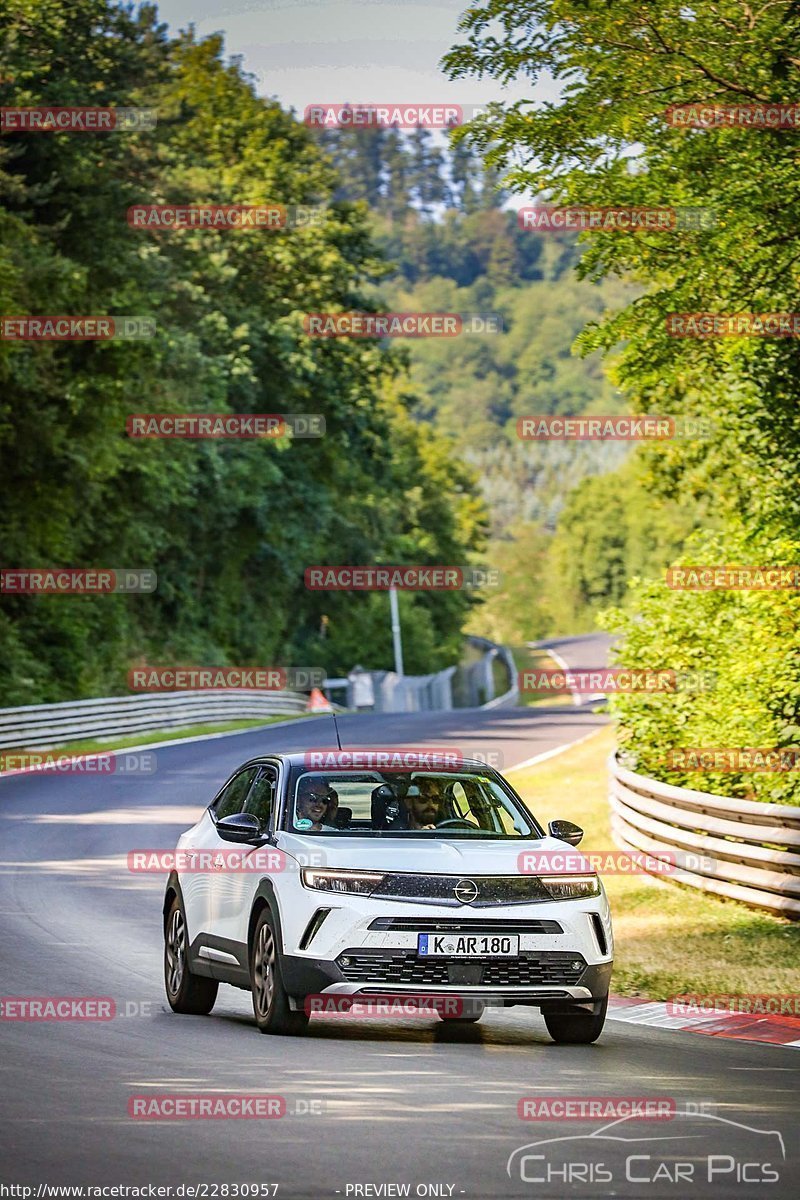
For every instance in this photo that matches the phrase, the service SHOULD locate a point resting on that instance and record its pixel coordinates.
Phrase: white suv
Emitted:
(303, 881)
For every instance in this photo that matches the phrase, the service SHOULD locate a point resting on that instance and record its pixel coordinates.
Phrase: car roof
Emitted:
(298, 759)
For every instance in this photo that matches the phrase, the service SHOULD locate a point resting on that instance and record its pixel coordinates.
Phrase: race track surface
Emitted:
(370, 1102)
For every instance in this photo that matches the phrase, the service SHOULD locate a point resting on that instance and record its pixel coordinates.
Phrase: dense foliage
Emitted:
(228, 526)
(606, 141)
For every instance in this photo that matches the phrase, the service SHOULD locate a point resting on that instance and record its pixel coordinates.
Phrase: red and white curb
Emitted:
(746, 1027)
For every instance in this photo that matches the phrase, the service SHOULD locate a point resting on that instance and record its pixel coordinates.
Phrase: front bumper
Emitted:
(363, 946)
(304, 977)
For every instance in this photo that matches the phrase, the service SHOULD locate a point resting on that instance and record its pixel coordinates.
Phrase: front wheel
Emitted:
(578, 1028)
(186, 993)
(270, 1001)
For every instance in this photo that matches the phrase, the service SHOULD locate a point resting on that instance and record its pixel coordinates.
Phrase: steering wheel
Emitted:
(460, 821)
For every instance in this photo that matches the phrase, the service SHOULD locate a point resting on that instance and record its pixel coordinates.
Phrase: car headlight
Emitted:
(355, 883)
(571, 887)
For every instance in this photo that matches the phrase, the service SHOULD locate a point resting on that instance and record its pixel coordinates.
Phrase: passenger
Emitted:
(332, 809)
(399, 782)
(389, 809)
(425, 808)
(314, 800)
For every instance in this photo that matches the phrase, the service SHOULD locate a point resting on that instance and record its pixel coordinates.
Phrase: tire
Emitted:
(576, 1029)
(270, 1001)
(186, 993)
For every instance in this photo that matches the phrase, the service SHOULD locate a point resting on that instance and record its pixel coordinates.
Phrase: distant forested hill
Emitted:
(454, 245)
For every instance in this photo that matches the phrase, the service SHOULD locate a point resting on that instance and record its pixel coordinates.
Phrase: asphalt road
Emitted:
(580, 652)
(371, 1102)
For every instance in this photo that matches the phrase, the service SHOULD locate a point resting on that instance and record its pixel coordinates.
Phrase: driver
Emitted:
(425, 808)
(315, 799)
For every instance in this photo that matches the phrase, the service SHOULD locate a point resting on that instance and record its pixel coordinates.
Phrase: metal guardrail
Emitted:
(746, 850)
(485, 667)
(40, 726)
(413, 693)
(470, 685)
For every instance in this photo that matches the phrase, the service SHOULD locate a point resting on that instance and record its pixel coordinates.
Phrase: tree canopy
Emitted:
(229, 527)
(608, 140)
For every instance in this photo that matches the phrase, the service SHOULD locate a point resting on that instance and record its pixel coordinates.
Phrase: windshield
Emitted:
(414, 803)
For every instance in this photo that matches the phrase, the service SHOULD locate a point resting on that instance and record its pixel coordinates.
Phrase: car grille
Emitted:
(465, 925)
(441, 889)
(403, 966)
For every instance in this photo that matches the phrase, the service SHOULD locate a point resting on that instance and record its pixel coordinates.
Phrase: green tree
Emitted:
(463, 193)
(738, 649)
(607, 141)
(426, 173)
(609, 531)
(229, 527)
(397, 199)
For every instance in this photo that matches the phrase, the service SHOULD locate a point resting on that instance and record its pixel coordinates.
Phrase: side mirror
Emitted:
(241, 827)
(565, 831)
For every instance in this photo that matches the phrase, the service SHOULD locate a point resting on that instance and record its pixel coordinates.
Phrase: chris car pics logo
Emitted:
(696, 1148)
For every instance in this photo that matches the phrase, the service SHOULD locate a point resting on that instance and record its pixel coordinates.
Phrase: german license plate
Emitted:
(467, 945)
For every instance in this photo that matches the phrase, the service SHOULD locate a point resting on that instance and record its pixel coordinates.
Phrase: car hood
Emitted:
(435, 856)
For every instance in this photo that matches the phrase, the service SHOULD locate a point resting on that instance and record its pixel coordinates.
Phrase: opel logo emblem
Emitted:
(465, 891)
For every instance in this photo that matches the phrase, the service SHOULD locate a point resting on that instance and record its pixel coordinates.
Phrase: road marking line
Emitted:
(578, 699)
(562, 662)
(537, 758)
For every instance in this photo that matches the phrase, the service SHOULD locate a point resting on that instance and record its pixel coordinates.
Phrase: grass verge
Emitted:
(669, 938)
(527, 659)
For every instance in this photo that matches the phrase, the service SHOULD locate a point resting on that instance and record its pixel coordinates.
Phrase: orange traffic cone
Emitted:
(317, 702)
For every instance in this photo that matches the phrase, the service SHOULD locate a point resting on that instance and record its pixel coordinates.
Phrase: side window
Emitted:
(459, 798)
(475, 805)
(232, 798)
(260, 799)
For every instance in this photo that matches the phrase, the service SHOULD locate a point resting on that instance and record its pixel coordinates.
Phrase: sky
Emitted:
(335, 51)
